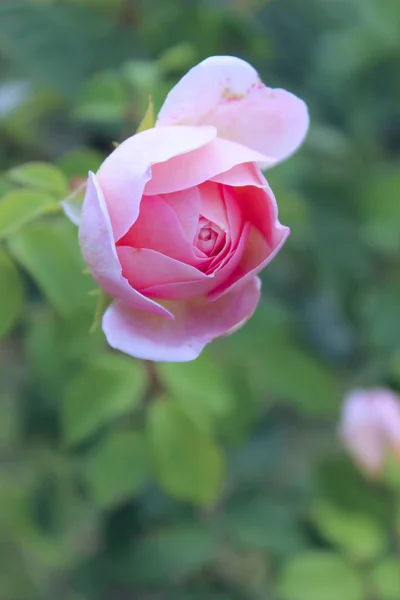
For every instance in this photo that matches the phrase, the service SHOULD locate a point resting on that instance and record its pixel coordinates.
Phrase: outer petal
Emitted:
(242, 175)
(98, 249)
(72, 205)
(194, 168)
(196, 324)
(226, 92)
(124, 173)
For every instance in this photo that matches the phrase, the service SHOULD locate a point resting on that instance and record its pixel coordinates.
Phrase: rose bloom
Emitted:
(179, 219)
(370, 427)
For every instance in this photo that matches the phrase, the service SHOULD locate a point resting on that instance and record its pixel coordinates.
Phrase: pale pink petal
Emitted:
(124, 173)
(158, 228)
(72, 205)
(241, 175)
(196, 324)
(361, 431)
(227, 92)
(188, 170)
(386, 405)
(144, 268)
(370, 427)
(99, 252)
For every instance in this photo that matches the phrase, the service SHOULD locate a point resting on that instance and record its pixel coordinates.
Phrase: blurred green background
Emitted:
(232, 485)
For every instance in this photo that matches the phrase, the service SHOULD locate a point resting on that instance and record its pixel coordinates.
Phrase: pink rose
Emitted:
(370, 427)
(179, 220)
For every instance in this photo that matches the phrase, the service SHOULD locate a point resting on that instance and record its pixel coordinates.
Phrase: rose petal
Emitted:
(226, 92)
(72, 205)
(98, 249)
(195, 325)
(158, 228)
(212, 205)
(186, 205)
(124, 173)
(241, 175)
(257, 255)
(184, 290)
(259, 207)
(144, 268)
(233, 211)
(194, 168)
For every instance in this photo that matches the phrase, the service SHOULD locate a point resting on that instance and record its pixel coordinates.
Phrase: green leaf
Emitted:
(19, 207)
(198, 386)
(108, 388)
(342, 484)
(5, 185)
(44, 176)
(385, 579)
(381, 204)
(52, 257)
(142, 75)
(359, 536)
(12, 294)
(378, 308)
(103, 99)
(272, 359)
(148, 120)
(46, 365)
(117, 468)
(103, 302)
(55, 345)
(188, 462)
(255, 522)
(178, 58)
(391, 472)
(320, 576)
(77, 163)
(170, 555)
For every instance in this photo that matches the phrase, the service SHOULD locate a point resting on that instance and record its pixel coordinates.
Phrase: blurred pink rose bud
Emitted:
(370, 427)
(179, 219)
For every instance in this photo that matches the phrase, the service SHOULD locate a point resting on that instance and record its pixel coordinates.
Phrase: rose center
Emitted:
(209, 238)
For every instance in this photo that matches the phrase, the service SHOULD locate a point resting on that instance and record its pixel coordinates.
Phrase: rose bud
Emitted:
(370, 427)
(179, 219)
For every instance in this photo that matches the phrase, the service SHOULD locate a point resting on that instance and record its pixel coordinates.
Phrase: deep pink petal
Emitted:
(144, 268)
(196, 324)
(98, 249)
(158, 228)
(188, 170)
(124, 173)
(257, 255)
(184, 290)
(212, 205)
(234, 212)
(186, 205)
(227, 92)
(259, 207)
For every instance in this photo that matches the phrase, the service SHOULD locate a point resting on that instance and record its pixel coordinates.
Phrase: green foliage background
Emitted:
(221, 479)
